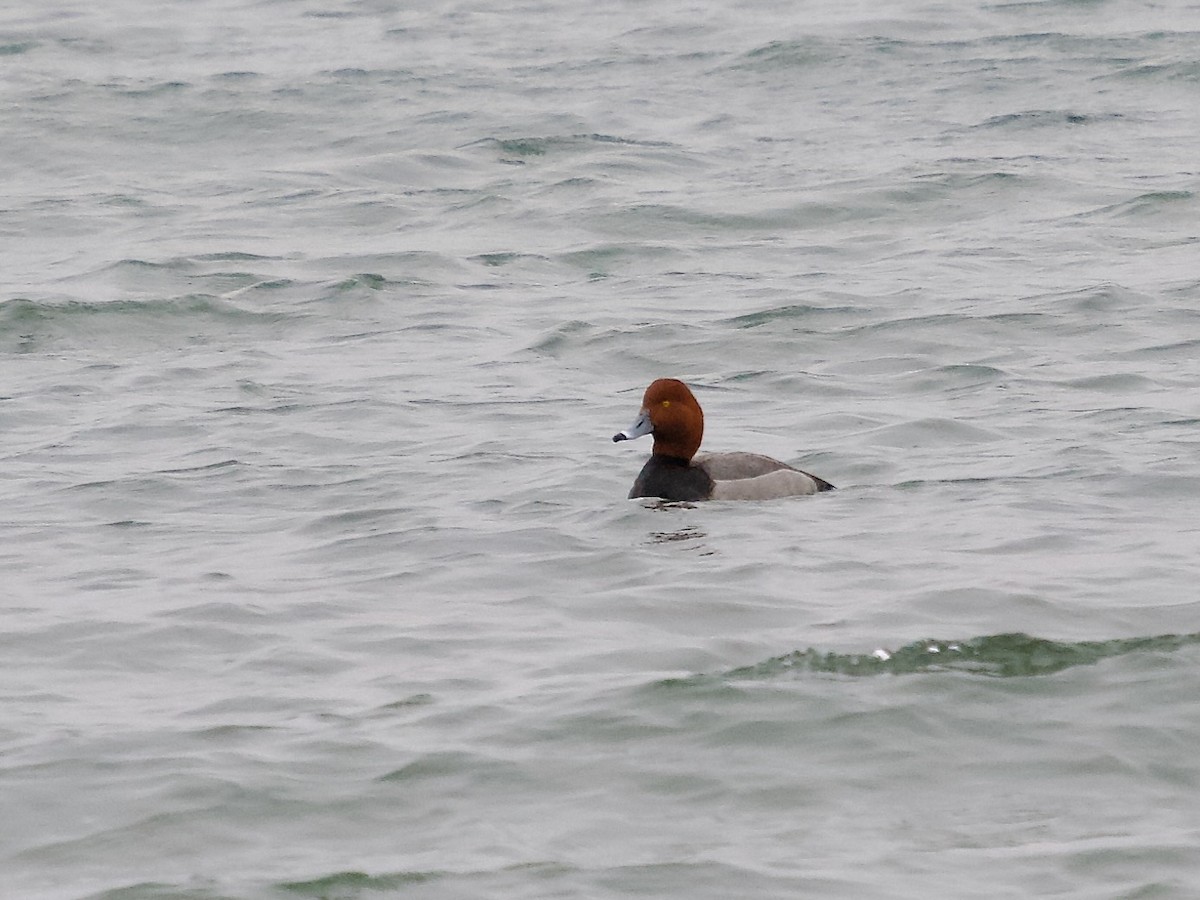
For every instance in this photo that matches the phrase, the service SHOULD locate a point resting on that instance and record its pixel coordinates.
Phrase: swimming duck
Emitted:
(675, 472)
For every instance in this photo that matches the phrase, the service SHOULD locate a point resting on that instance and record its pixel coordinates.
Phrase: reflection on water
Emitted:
(687, 533)
(684, 535)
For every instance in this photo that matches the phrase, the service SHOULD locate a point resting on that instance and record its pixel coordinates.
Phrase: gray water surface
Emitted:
(318, 576)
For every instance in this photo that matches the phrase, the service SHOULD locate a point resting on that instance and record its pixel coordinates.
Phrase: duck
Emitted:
(675, 471)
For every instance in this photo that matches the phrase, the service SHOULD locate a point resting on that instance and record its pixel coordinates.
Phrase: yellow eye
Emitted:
(666, 403)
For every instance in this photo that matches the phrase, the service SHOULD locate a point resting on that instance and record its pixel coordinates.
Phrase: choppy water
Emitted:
(316, 318)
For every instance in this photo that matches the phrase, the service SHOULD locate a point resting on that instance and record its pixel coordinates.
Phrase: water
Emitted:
(315, 322)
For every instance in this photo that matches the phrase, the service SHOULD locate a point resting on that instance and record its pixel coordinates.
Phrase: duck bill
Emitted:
(641, 425)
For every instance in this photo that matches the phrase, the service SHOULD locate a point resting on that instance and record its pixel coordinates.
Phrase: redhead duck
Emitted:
(675, 472)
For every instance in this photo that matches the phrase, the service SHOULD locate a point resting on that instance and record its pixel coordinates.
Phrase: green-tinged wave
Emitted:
(347, 884)
(998, 656)
(28, 325)
(20, 310)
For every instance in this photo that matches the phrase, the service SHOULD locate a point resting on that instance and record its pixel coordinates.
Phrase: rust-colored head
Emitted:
(672, 415)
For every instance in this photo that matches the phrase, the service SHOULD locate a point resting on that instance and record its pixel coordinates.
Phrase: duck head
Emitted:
(672, 415)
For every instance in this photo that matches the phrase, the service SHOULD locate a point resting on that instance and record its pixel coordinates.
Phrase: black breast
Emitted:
(672, 479)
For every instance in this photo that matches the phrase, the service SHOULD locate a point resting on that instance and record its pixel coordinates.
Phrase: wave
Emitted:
(544, 145)
(1043, 117)
(24, 310)
(350, 883)
(1149, 203)
(1014, 655)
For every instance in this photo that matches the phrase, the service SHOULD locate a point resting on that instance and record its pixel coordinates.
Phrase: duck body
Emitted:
(676, 471)
(723, 476)
(672, 478)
